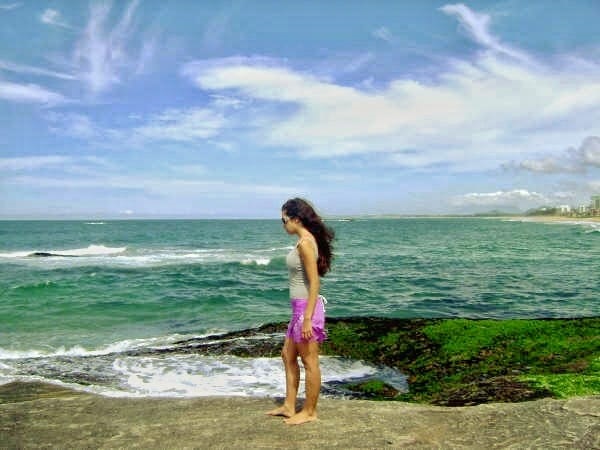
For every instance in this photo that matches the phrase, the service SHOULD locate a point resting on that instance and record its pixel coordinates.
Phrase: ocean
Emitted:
(108, 306)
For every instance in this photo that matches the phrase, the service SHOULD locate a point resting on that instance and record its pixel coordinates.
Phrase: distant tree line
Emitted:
(543, 211)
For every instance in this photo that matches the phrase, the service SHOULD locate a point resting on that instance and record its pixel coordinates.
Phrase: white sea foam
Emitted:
(192, 375)
(277, 249)
(589, 226)
(180, 375)
(19, 254)
(257, 261)
(113, 348)
(144, 257)
(93, 250)
(170, 257)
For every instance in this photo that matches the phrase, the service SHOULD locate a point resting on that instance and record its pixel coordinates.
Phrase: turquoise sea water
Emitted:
(78, 297)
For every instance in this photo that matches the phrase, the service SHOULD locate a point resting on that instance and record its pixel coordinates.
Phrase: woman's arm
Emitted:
(306, 249)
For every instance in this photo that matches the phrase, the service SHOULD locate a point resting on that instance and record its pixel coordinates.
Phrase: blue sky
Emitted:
(227, 108)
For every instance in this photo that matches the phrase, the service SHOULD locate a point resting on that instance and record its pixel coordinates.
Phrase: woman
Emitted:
(309, 259)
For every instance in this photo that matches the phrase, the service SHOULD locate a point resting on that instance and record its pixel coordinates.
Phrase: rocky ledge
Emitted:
(450, 362)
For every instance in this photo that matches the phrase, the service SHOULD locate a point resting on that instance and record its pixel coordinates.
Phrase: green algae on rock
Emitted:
(465, 362)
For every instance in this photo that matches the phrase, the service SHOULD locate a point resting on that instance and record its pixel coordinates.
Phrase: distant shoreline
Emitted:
(554, 219)
(349, 218)
(515, 218)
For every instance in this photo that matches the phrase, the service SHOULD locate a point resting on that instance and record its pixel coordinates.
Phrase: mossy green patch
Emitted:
(525, 340)
(566, 385)
(461, 361)
(374, 389)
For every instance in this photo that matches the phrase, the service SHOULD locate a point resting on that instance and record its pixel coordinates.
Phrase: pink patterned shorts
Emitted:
(294, 331)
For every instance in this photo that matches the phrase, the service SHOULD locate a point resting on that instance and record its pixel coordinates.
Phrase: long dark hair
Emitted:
(305, 212)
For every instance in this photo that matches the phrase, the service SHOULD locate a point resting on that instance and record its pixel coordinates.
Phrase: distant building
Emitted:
(583, 209)
(593, 209)
(595, 206)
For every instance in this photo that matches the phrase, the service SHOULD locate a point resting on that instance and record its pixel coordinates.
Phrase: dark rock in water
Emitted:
(82, 370)
(264, 341)
(47, 255)
(267, 345)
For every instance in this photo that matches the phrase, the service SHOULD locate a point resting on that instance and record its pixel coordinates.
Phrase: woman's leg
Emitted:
(309, 352)
(289, 355)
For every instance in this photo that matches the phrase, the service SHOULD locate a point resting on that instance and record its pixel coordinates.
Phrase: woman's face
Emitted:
(288, 223)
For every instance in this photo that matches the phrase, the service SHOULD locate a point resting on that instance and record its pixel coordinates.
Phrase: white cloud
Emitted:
(327, 112)
(10, 6)
(175, 187)
(572, 160)
(106, 53)
(359, 62)
(53, 17)
(384, 34)
(19, 68)
(566, 196)
(224, 102)
(472, 116)
(74, 125)
(545, 165)
(177, 125)
(519, 198)
(594, 186)
(226, 146)
(260, 78)
(75, 172)
(190, 169)
(488, 108)
(104, 57)
(477, 25)
(181, 125)
(29, 93)
(32, 162)
(589, 151)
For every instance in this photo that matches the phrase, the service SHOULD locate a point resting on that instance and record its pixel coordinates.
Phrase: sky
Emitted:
(225, 109)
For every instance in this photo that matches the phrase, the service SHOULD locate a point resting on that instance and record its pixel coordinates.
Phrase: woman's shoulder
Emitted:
(306, 238)
(307, 242)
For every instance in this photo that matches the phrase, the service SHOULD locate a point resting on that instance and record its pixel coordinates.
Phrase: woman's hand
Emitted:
(307, 330)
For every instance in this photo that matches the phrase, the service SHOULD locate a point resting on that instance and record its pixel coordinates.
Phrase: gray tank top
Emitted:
(298, 281)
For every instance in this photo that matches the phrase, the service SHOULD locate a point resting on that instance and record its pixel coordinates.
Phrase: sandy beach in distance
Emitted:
(45, 416)
(553, 219)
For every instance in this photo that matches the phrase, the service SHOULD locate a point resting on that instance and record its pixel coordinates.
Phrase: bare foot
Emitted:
(281, 411)
(300, 418)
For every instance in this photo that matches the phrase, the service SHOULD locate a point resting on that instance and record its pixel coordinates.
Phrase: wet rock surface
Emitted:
(41, 416)
(489, 374)
(497, 389)
(485, 367)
